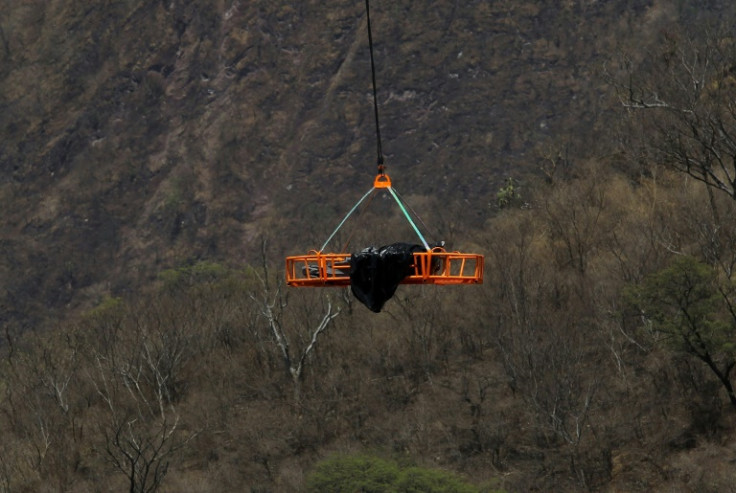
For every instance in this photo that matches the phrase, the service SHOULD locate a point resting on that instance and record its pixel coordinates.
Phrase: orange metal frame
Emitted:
(435, 266)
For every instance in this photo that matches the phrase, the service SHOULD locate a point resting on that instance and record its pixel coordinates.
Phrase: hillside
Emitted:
(143, 135)
(159, 160)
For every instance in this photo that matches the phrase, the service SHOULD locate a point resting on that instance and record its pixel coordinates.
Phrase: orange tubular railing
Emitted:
(318, 269)
(431, 267)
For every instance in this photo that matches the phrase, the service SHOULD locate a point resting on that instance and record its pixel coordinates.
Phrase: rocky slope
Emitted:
(140, 135)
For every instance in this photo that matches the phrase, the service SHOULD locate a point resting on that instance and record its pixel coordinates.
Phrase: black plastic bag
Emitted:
(375, 273)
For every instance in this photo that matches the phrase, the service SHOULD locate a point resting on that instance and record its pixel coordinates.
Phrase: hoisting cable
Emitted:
(375, 97)
(372, 273)
(385, 183)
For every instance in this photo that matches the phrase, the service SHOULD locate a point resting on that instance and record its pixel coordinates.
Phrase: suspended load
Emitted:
(375, 272)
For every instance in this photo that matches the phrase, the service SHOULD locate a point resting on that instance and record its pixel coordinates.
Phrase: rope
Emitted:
(408, 218)
(375, 97)
(400, 203)
(346, 218)
(426, 228)
(350, 236)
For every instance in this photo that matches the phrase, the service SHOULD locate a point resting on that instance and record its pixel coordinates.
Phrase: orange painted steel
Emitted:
(382, 181)
(318, 269)
(435, 266)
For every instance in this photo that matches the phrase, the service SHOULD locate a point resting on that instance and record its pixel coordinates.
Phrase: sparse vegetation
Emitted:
(160, 158)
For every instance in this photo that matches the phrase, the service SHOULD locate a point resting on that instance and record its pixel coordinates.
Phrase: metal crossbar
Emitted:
(435, 266)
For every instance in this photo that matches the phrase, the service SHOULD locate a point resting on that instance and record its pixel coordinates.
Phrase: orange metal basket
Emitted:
(435, 266)
(431, 266)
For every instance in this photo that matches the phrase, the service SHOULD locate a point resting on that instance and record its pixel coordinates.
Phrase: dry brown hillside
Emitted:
(143, 135)
(159, 159)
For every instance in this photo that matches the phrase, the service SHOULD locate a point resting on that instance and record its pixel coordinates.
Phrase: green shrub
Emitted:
(201, 272)
(421, 480)
(366, 474)
(357, 473)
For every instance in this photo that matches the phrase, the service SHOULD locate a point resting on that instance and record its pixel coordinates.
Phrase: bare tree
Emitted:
(683, 95)
(575, 215)
(6, 44)
(133, 371)
(141, 429)
(40, 405)
(273, 303)
(272, 309)
(545, 328)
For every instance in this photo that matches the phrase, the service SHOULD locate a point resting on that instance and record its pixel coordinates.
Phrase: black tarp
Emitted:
(376, 272)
